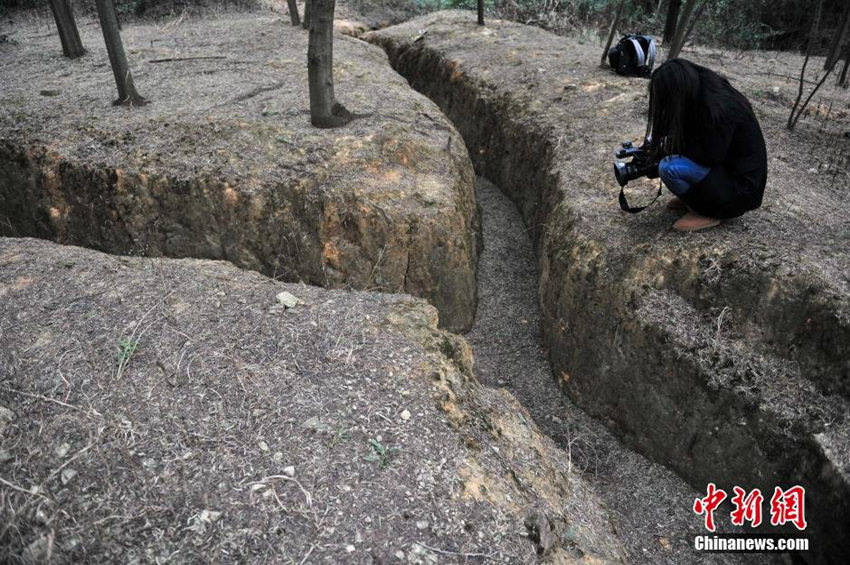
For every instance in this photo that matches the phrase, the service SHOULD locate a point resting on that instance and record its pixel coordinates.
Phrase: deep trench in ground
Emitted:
(650, 505)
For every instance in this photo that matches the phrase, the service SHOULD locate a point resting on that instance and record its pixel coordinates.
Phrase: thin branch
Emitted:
(21, 489)
(173, 59)
(792, 120)
(611, 33)
(447, 552)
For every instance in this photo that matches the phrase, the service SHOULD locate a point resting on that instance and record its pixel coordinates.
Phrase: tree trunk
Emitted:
(72, 47)
(117, 58)
(325, 112)
(293, 12)
(613, 29)
(481, 12)
(681, 28)
(672, 18)
(838, 41)
(792, 119)
(115, 8)
(693, 23)
(308, 9)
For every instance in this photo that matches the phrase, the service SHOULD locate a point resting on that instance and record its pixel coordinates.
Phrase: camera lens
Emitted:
(621, 172)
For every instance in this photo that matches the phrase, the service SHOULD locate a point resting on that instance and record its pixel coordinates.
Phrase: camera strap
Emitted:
(624, 204)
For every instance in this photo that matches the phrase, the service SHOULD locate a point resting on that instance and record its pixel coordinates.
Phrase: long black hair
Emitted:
(684, 96)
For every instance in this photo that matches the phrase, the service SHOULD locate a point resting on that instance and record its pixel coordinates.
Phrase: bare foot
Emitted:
(694, 222)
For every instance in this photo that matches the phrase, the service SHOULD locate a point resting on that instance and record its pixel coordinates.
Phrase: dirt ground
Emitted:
(168, 410)
(160, 410)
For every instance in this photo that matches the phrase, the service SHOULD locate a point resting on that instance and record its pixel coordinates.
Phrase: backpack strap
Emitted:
(641, 56)
(651, 57)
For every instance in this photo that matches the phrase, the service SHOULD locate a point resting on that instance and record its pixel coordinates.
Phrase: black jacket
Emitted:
(732, 146)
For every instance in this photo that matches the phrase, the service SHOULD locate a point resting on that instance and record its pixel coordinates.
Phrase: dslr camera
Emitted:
(641, 164)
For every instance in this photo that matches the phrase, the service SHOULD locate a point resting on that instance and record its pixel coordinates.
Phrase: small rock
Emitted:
(317, 425)
(263, 445)
(422, 524)
(405, 415)
(399, 555)
(5, 456)
(41, 517)
(67, 475)
(813, 171)
(350, 548)
(278, 456)
(39, 550)
(540, 532)
(209, 515)
(287, 299)
(71, 544)
(63, 450)
(289, 471)
(6, 417)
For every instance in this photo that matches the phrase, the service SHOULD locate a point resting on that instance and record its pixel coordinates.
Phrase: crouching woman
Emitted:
(716, 161)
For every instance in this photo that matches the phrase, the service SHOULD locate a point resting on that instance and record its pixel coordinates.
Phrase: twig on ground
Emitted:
(175, 59)
(307, 555)
(21, 489)
(45, 399)
(448, 552)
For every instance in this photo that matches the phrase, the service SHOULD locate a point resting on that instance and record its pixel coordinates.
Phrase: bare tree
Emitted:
(325, 111)
(117, 58)
(672, 17)
(795, 114)
(841, 35)
(693, 23)
(293, 12)
(117, 19)
(72, 47)
(481, 12)
(681, 30)
(611, 32)
(308, 10)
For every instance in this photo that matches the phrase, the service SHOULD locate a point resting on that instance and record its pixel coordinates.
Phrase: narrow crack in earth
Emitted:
(649, 504)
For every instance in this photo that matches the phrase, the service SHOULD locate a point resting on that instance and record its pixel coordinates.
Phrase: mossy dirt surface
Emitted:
(174, 410)
(224, 164)
(722, 354)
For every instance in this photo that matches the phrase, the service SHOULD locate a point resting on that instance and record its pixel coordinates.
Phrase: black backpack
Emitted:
(634, 56)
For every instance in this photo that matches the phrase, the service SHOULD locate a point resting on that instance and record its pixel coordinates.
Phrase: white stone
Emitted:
(67, 475)
(287, 299)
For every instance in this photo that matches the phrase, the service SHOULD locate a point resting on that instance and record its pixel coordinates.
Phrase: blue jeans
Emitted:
(679, 173)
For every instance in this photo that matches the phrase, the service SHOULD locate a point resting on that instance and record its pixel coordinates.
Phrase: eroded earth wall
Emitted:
(722, 354)
(224, 164)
